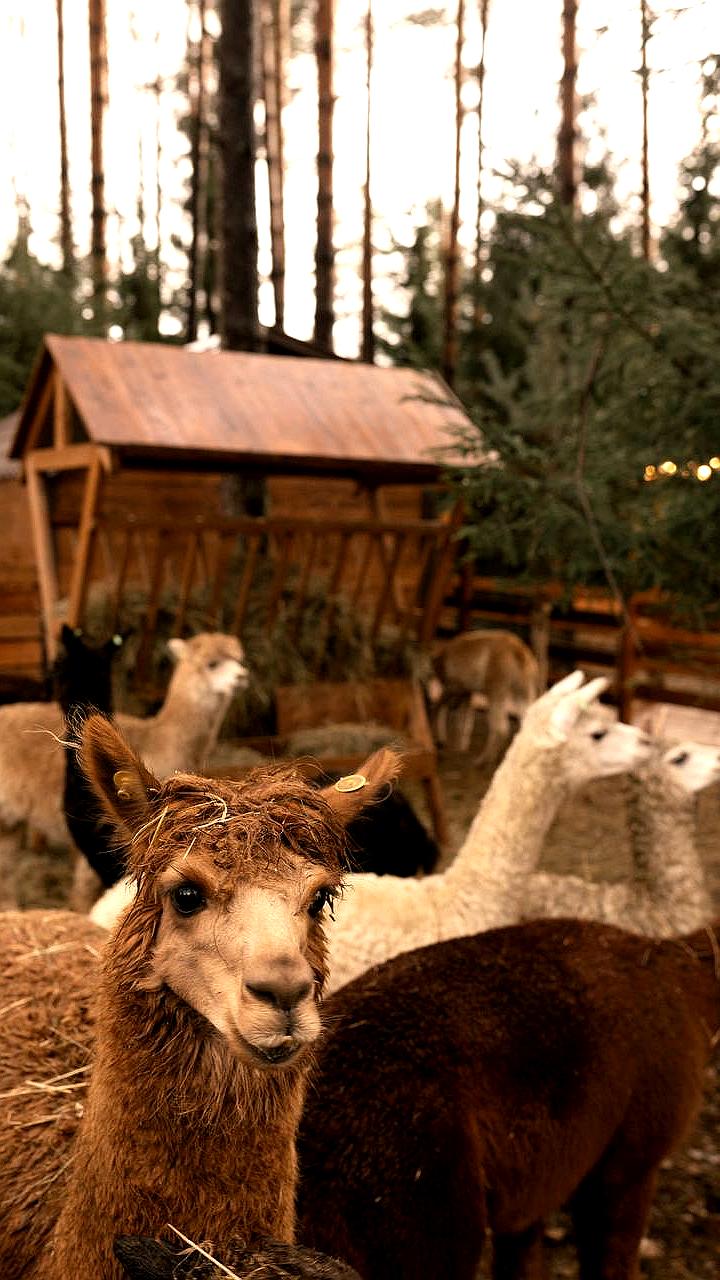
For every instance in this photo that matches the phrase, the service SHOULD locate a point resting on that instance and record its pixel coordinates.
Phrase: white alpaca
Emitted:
(209, 668)
(564, 742)
(667, 893)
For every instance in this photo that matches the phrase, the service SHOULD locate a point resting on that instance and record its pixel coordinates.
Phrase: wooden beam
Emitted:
(38, 417)
(61, 414)
(86, 538)
(44, 553)
(71, 458)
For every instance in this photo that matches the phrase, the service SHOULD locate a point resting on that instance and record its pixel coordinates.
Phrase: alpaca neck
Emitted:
(176, 1130)
(662, 833)
(193, 717)
(506, 837)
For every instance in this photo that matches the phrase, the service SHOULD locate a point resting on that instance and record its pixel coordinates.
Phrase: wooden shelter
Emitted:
(128, 447)
(149, 466)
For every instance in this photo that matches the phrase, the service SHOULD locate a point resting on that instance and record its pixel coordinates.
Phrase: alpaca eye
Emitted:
(598, 734)
(680, 758)
(187, 899)
(323, 898)
(213, 664)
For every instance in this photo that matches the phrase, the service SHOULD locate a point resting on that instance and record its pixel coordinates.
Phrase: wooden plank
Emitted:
(61, 433)
(241, 603)
(86, 541)
(44, 554)
(388, 592)
(71, 458)
(38, 419)
(186, 580)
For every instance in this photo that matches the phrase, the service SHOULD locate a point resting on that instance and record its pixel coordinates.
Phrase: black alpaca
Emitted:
(82, 680)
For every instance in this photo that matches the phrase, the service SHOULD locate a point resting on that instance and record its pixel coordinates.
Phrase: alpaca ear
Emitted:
(349, 795)
(116, 774)
(566, 713)
(176, 648)
(70, 636)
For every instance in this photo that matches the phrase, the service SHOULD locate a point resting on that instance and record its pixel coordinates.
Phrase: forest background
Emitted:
(581, 333)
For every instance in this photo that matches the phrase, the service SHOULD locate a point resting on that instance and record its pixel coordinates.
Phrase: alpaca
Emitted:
(82, 679)
(563, 742)
(556, 1062)
(495, 667)
(207, 1003)
(667, 893)
(145, 1259)
(209, 668)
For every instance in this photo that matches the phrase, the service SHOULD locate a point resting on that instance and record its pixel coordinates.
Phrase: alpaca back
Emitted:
(509, 1064)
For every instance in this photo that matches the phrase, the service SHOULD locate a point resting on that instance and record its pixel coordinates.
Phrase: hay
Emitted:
(343, 739)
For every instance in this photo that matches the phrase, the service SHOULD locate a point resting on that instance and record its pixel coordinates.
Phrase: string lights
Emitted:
(688, 471)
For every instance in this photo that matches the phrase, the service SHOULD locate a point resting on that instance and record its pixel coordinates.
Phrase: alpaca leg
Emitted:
(519, 1256)
(498, 732)
(609, 1213)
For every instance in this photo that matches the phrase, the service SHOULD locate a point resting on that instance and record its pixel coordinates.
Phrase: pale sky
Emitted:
(413, 120)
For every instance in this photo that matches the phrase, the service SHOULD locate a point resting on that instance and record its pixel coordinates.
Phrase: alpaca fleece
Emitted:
(486, 1081)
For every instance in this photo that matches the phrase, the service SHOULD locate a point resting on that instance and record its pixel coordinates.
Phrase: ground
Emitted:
(589, 836)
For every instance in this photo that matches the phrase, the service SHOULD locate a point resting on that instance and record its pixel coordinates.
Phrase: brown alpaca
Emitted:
(207, 1005)
(492, 668)
(487, 1081)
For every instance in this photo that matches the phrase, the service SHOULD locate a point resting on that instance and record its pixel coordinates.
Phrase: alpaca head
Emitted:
(690, 766)
(83, 672)
(210, 665)
(587, 741)
(234, 882)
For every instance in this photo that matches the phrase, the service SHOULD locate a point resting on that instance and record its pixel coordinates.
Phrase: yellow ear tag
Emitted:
(351, 782)
(122, 781)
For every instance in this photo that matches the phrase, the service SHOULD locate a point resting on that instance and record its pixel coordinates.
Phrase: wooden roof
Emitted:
(164, 405)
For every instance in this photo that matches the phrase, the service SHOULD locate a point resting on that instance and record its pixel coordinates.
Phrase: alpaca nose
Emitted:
(281, 992)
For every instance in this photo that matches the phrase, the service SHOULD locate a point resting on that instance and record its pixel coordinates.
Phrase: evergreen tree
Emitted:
(34, 299)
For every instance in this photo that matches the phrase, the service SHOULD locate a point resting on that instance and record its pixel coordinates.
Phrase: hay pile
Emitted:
(44, 1057)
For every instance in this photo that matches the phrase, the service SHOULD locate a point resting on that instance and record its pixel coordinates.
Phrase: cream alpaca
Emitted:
(209, 668)
(667, 893)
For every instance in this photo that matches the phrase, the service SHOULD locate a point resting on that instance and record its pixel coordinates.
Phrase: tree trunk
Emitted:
(567, 176)
(239, 271)
(644, 82)
(450, 338)
(199, 161)
(98, 103)
(480, 72)
(324, 253)
(274, 35)
(66, 237)
(368, 336)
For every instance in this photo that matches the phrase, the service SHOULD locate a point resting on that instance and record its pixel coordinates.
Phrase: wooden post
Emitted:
(626, 663)
(44, 553)
(86, 539)
(61, 431)
(540, 639)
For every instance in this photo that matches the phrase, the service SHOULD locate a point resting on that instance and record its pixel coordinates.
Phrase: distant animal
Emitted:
(202, 1012)
(145, 1259)
(494, 668)
(82, 678)
(563, 743)
(209, 668)
(487, 1081)
(667, 892)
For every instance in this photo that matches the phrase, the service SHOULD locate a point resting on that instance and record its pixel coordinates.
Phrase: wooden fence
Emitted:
(646, 656)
